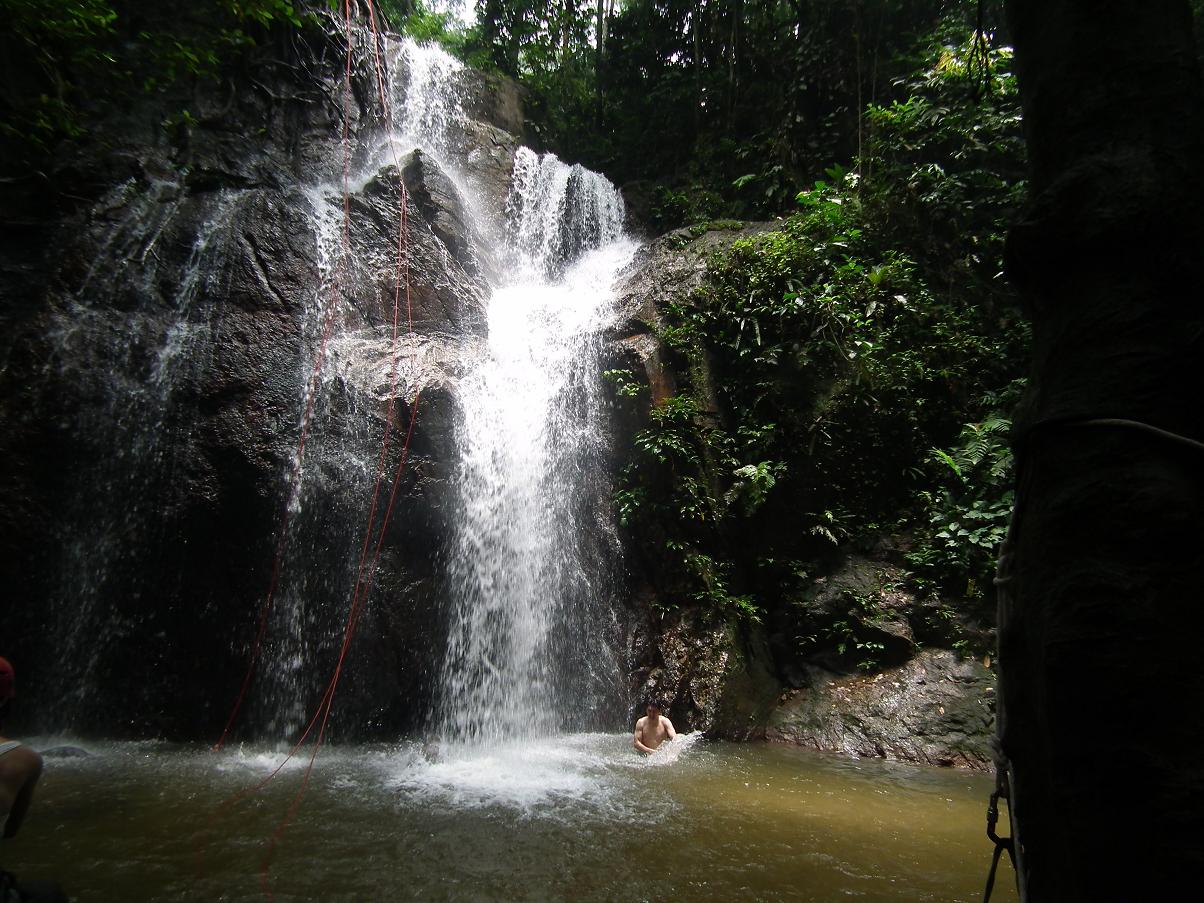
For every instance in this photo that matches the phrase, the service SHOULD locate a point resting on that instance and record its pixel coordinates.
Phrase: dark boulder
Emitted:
(937, 709)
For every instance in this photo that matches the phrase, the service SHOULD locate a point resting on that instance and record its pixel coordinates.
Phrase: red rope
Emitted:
(331, 309)
(365, 572)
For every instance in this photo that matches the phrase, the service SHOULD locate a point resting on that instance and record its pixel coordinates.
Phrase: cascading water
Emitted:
(530, 566)
(227, 367)
(532, 629)
(131, 366)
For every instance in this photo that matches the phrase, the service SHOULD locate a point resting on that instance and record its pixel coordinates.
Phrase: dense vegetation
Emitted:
(720, 106)
(865, 357)
(70, 63)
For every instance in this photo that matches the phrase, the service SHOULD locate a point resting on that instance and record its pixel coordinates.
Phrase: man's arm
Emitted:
(33, 771)
(668, 726)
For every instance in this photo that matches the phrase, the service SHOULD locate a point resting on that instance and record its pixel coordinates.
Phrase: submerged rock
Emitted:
(65, 752)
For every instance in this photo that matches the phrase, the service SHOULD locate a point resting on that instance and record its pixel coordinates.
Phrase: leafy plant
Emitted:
(968, 519)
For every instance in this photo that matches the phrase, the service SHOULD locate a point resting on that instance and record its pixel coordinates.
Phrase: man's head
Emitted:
(8, 681)
(653, 707)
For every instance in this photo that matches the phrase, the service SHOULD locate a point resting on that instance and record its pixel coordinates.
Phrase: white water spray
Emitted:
(531, 628)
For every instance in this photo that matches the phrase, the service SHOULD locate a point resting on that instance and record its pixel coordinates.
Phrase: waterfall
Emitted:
(212, 374)
(532, 628)
(530, 567)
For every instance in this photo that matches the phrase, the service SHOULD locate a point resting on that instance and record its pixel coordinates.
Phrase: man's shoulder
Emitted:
(23, 758)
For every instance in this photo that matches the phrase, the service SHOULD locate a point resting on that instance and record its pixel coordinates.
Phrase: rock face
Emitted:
(936, 709)
(182, 316)
(439, 273)
(715, 675)
(840, 663)
(439, 203)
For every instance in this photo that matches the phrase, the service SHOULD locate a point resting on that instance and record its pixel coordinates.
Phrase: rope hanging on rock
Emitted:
(376, 528)
(366, 570)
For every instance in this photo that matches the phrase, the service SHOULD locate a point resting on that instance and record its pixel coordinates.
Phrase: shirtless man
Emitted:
(653, 729)
(20, 766)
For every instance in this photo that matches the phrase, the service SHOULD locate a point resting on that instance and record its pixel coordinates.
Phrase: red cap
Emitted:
(8, 680)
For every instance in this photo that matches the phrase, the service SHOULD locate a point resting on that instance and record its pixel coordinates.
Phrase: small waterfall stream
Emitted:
(132, 366)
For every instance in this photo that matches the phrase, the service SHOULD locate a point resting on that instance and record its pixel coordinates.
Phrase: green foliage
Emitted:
(74, 58)
(624, 382)
(711, 577)
(672, 208)
(968, 510)
(53, 43)
(946, 166)
(425, 25)
(836, 361)
(750, 99)
(264, 13)
(548, 46)
(670, 438)
(752, 484)
(848, 641)
(738, 100)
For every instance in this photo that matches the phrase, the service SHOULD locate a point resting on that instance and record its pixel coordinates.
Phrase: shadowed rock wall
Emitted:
(165, 293)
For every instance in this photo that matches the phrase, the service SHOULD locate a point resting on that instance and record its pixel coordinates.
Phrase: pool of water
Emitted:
(579, 817)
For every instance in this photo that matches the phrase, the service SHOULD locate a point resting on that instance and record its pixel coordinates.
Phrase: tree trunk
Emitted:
(1102, 687)
(599, 56)
(696, 17)
(736, 11)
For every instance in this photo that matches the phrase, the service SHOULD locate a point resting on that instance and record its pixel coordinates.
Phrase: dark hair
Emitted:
(655, 702)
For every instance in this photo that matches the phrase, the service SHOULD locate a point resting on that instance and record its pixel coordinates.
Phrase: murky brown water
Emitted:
(577, 818)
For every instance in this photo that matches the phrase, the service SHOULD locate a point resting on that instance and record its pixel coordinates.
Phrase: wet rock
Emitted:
(440, 205)
(864, 605)
(668, 269)
(937, 709)
(162, 346)
(714, 675)
(639, 196)
(488, 155)
(443, 297)
(491, 98)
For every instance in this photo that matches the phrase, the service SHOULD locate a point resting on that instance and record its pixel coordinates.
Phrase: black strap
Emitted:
(1020, 441)
(995, 857)
(1001, 843)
